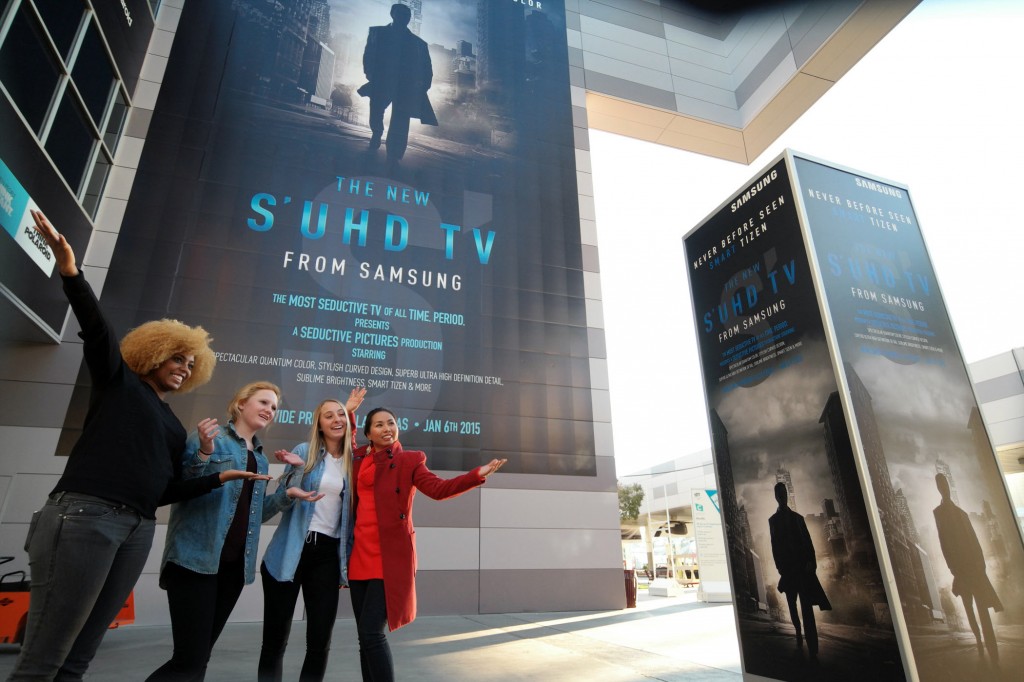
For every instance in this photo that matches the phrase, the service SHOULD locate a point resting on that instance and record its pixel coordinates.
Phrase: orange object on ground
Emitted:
(14, 594)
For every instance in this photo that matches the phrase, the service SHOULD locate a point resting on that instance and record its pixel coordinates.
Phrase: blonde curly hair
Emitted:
(151, 344)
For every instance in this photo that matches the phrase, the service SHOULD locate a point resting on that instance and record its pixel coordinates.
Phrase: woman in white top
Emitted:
(309, 549)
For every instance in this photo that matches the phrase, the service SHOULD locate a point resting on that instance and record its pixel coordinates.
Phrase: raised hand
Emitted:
(207, 430)
(286, 457)
(297, 493)
(62, 251)
(355, 399)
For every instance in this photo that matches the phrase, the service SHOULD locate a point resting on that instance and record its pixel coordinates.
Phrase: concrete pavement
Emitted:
(664, 638)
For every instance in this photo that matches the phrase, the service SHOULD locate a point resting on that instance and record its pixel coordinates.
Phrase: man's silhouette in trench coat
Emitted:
(794, 558)
(398, 70)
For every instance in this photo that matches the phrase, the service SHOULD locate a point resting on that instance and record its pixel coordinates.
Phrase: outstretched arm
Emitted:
(437, 488)
(102, 350)
(185, 489)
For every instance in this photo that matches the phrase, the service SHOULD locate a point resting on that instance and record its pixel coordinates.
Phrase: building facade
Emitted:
(81, 107)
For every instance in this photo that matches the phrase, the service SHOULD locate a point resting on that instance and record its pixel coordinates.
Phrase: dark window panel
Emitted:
(27, 69)
(92, 73)
(61, 18)
(70, 141)
(115, 124)
(97, 180)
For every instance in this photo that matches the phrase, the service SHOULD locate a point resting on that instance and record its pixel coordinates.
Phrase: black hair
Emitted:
(369, 418)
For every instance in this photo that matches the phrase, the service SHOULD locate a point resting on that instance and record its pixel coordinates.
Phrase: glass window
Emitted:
(92, 73)
(61, 18)
(70, 141)
(115, 124)
(94, 186)
(27, 70)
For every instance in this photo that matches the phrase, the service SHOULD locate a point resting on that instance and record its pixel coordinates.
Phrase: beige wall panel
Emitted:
(458, 512)
(862, 31)
(504, 591)
(992, 368)
(151, 603)
(549, 509)
(439, 593)
(447, 549)
(798, 95)
(611, 106)
(699, 145)
(531, 548)
(24, 403)
(1007, 432)
(997, 411)
(28, 493)
(29, 449)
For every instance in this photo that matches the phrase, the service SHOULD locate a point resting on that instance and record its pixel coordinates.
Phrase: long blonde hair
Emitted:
(317, 443)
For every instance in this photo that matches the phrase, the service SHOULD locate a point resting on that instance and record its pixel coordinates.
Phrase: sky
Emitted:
(934, 106)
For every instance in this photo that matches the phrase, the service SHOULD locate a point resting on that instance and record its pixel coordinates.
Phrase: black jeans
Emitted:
(319, 577)
(200, 605)
(371, 614)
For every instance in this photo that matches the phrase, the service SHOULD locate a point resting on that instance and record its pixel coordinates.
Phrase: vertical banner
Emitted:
(351, 193)
(710, 538)
(810, 599)
(952, 540)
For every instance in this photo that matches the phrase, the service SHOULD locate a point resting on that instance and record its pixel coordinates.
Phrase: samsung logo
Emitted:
(754, 189)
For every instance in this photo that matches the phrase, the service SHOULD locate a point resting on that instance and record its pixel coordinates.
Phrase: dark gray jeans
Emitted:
(85, 554)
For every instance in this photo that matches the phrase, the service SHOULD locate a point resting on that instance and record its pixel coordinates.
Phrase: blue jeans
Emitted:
(85, 554)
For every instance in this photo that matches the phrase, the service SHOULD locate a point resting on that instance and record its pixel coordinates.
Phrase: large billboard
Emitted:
(349, 195)
(953, 544)
(796, 521)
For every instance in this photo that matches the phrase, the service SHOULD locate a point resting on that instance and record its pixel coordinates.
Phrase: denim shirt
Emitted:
(198, 527)
(285, 550)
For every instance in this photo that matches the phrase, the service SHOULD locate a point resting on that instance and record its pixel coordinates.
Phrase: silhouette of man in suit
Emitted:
(966, 561)
(794, 558)
(397, 65)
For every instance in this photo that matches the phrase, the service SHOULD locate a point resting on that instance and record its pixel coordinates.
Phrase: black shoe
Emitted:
(375, 143)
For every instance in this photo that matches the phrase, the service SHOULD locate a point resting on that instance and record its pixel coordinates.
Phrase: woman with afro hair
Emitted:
(88, 544)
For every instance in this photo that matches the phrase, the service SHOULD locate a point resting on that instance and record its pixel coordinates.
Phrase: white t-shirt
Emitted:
(327, 511)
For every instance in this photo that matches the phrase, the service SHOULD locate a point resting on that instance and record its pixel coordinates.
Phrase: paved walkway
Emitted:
(667, 639)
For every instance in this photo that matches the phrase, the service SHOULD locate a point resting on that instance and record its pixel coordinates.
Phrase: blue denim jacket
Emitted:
(198, 527)
(283, 554)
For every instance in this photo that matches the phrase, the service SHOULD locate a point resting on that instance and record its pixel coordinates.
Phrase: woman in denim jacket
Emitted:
(210, 553)
(310, 546)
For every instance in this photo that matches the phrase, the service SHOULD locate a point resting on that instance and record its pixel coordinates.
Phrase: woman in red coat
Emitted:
(382, 563)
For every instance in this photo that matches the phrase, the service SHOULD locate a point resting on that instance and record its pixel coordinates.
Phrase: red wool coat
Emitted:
(399, 474)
